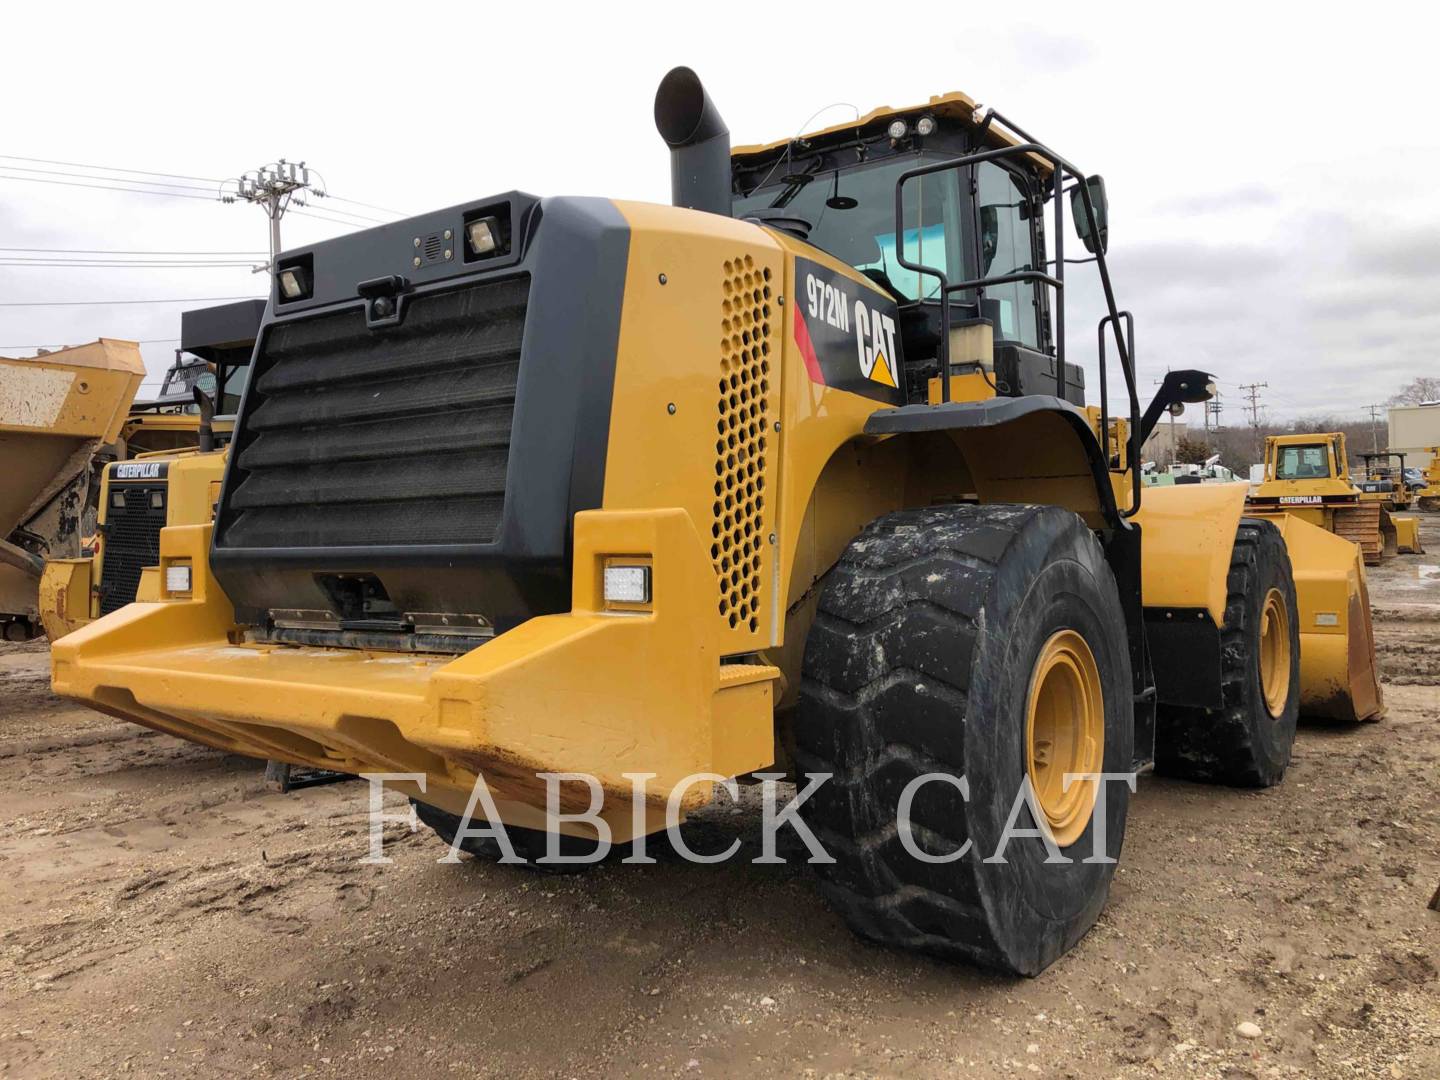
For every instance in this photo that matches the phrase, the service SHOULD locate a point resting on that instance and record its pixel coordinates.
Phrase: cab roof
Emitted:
(951, 106)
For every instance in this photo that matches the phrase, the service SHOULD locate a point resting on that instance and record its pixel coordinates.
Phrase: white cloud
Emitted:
(1270, 175)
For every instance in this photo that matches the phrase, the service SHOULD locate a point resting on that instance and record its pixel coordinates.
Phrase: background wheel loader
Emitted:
(1308, 476)
(147, 492)
(792, 473)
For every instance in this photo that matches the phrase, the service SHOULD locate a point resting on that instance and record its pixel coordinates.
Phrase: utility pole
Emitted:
(1374, 411)
(1174, 445)
(271, 187)
(1212, 412)
(1252, 390)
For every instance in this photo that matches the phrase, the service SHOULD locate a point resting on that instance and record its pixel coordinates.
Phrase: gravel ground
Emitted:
(162, 913)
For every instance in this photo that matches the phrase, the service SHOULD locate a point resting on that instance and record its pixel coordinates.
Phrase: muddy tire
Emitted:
(925, 657)
(1246, 742)
(529, 844)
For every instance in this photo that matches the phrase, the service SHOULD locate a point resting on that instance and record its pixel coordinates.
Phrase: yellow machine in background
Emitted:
(177, 485)
(1429, 495)
(138, 498)
(1384, 482)
(1308, 477)
(56, 412)
(794, 473)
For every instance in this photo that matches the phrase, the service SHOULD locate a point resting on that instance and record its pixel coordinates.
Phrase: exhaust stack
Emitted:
(699, 143)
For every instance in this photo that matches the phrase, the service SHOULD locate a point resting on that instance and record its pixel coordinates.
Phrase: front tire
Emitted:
(1247, 741)
(933, 651)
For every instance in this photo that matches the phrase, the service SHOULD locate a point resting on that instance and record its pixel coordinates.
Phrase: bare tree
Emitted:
(1419, 389)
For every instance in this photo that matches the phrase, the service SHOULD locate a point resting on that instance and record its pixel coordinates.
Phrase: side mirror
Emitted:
(1099, 239)
(989, 237)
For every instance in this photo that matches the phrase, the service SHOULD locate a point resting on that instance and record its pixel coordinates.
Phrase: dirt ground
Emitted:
(162, 913)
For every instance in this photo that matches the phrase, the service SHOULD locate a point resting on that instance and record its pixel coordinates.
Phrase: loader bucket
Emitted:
(1338, 675)
(56, 411)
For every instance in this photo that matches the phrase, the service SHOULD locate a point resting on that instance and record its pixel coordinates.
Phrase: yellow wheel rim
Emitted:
(1275, 652)
(1064, 733)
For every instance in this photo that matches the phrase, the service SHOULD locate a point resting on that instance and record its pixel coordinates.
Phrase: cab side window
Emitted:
(1007, 245)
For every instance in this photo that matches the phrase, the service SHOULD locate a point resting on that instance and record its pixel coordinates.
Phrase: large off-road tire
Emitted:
(1247, 741)
(529, 844)
(944, 640)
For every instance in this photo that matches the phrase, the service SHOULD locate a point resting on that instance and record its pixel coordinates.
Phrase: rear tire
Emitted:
(1246, 742)
(920, 661)
(529, 844)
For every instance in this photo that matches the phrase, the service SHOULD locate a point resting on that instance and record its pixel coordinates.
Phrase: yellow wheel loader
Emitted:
(1308, 477)
(793, 474)
(56, 412)
(179, 485)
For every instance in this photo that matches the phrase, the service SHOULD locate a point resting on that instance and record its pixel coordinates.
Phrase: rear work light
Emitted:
(483, 236)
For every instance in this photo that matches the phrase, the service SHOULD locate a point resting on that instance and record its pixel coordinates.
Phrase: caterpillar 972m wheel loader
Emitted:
(794, 472)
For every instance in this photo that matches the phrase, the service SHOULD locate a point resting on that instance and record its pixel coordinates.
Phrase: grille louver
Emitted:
(395, 436)
(132, 542)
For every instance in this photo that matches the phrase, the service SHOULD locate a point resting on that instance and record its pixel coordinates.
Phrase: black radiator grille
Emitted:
(131, 542)
(378, 437)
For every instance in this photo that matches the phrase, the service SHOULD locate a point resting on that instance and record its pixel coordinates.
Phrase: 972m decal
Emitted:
(846, 333)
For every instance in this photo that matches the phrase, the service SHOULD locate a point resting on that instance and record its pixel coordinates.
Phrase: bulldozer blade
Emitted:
(1406, 531)
(1338, 675)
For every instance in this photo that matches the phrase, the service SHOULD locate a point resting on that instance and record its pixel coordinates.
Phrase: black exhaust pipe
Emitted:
(699, 143)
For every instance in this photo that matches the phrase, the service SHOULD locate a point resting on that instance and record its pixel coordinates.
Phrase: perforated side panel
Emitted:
(741, 548)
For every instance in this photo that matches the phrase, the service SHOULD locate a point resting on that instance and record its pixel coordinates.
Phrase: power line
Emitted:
(104, 303)
(369, 206)
(80, 265)
(61, 345)
(110, 251)
(107, 187)
(311, 208)
(334, 220)
(109, 168)
(24, 261)
(112, 179)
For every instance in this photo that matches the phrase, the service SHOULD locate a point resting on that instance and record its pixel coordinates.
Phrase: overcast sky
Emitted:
(1272, 175)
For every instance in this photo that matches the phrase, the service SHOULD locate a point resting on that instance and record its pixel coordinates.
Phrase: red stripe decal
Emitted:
(807, 350)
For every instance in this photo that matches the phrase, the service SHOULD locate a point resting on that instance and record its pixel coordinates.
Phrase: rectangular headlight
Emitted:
(292, 282)
(177, 577)
(483, 235)
(627, 584)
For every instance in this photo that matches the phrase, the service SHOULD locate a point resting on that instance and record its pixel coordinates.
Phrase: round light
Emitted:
(897, 129)
(925, 125)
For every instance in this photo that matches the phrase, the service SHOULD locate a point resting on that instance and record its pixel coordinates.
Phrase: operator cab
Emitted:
(985, 220)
